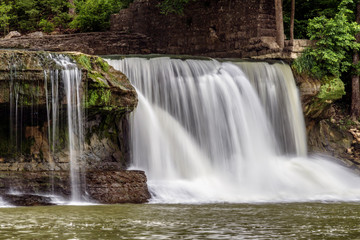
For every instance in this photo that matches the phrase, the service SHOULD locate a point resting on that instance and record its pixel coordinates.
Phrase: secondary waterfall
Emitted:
(71, 81)
(64, 116)
(207, 131)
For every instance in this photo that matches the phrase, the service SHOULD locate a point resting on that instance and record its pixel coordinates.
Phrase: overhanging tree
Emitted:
(280, 37)
(332, 53)
(292, 21)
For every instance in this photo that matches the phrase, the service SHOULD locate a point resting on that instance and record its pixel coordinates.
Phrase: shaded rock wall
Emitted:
(217, 28)
(327, 125)
(214, 28)
(109, 187)
(29, 161)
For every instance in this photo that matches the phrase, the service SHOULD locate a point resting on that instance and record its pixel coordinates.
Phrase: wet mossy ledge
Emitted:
(28, 151)
(329, 127)
(106, 88)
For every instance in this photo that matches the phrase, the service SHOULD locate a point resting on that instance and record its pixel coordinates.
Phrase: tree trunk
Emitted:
(71, 9)
(280, 38)
(292, 21)
(355, 83)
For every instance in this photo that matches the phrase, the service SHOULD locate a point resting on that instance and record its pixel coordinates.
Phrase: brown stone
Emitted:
(26, 163)
(108, 187)
(27, 200)
(117, 186)
(215, 28)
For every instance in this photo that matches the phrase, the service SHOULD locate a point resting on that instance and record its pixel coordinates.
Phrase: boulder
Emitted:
(40, 164)
(12, 34)
(36, 34)
(112, 187)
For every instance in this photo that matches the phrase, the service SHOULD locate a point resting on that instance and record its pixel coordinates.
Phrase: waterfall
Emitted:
(207, 131)
(71, 82)
(63, 118)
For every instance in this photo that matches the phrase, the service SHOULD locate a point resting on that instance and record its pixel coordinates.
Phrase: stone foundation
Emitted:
(216, 28)
(213, 28)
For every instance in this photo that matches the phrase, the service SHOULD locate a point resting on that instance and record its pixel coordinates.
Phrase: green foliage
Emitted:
(48, 15)
(334, 43)
(84, 61)
(308, 9)
(94, 15)
(331, 89)
(26, 15)
(46, 26)
(4, 16)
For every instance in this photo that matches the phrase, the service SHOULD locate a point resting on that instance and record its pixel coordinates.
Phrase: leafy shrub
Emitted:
(46, 26)
(334, 43)
(94, 15)
(4, 16)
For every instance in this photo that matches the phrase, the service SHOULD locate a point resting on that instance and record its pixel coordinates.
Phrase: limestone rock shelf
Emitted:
(31, 163)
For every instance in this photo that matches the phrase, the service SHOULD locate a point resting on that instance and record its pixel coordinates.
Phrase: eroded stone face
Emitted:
(33, 145)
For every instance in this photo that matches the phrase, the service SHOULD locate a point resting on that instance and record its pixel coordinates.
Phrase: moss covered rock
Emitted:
(25, 97)
(106, 88)
(317, 95)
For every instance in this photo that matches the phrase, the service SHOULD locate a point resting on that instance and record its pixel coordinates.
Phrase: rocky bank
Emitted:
(329, 128)
(28, 161)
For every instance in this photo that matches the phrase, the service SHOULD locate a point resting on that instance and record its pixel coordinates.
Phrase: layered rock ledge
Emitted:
(99, 43)
(32, 162)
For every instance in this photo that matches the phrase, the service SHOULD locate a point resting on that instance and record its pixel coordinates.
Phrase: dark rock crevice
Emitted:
(31, 164)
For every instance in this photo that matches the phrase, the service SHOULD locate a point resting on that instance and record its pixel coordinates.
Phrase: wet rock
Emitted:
(30, 163)
(117, 186)
(328, 137)
(27, 200)
(103, 186)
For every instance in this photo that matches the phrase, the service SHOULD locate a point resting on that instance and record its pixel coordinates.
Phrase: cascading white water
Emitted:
(279, 96)
(206, 131)
(70, 76)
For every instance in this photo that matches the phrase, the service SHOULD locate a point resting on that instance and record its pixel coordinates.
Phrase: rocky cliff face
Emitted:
(34, 152)
(329, 130)
(100, 43)
(214, 28)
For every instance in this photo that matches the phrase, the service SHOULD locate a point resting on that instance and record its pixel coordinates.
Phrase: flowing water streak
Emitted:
(71, 80)
(207, 131)
(280, 98)
(14, 97)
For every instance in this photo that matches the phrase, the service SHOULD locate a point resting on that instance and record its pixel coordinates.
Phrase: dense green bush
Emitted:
(330, 59)
(334, 44)
(46, 25)
(94, 15)
(4, 16)
(48, 15)
(305, 10)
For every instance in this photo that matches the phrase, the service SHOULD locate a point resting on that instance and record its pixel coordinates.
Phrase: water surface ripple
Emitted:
(213, 221)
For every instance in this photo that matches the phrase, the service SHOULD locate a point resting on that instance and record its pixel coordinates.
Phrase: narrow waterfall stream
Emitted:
(206, 131)
(71, 80)
(64, 117)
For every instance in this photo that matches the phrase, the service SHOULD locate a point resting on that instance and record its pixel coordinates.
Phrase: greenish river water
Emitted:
(214, 221)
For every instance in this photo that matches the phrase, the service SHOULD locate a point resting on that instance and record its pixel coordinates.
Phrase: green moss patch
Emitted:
(331, 89)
